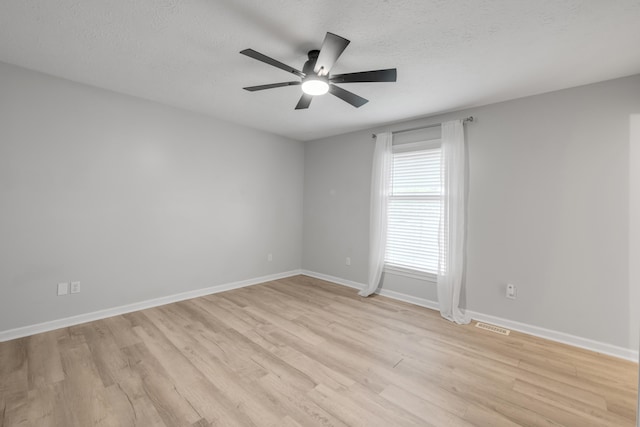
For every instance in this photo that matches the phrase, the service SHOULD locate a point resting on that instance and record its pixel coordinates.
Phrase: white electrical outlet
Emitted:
(63, 289)
(270, 257)
(511, 291)
(348, 261)
(75, 287)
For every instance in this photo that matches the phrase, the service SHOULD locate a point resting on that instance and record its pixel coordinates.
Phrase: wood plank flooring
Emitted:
(304, 352)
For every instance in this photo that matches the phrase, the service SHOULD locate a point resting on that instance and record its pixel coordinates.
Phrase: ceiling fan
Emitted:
(315, 78)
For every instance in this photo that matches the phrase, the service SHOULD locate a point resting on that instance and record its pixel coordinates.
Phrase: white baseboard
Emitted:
(549, 334)
(422, 302)
(557, 336)
(110, 312)
(561, 337)
(333, 279)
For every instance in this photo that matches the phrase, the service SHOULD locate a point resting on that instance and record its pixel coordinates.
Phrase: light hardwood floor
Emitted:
(303, 352)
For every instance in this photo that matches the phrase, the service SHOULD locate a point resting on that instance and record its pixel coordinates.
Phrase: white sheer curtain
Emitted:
(452, 222)
(380, 182)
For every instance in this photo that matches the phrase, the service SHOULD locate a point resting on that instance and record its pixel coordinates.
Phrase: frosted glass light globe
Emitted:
(315, 86)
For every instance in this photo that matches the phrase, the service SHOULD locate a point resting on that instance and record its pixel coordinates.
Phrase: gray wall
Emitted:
(138, 200)
(548, 210)
(634, 225)
(134, 199)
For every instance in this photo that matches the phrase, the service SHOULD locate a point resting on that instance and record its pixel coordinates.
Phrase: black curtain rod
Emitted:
(468, 119)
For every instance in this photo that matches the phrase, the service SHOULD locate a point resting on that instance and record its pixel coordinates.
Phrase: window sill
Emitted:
(414, 274)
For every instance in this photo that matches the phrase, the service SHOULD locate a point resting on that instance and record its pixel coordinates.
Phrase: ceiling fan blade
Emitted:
(271, 86)
(304, 102)
(331, 49)
(388, 75)
(345, 95)
(264, 58)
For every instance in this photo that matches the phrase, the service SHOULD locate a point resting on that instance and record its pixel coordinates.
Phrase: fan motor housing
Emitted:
(308, 67)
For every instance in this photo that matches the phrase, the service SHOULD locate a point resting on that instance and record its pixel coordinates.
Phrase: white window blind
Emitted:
(414, 208)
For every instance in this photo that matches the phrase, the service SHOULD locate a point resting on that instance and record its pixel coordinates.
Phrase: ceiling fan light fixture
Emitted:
(316, 78)
(315, 85)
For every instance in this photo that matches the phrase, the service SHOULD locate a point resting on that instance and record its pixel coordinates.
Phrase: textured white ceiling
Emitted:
(450, 54)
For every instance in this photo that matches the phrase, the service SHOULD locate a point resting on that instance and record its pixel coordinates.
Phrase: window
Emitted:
(414, 209)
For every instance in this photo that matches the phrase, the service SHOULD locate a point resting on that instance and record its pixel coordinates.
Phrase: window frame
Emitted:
(398, 270)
